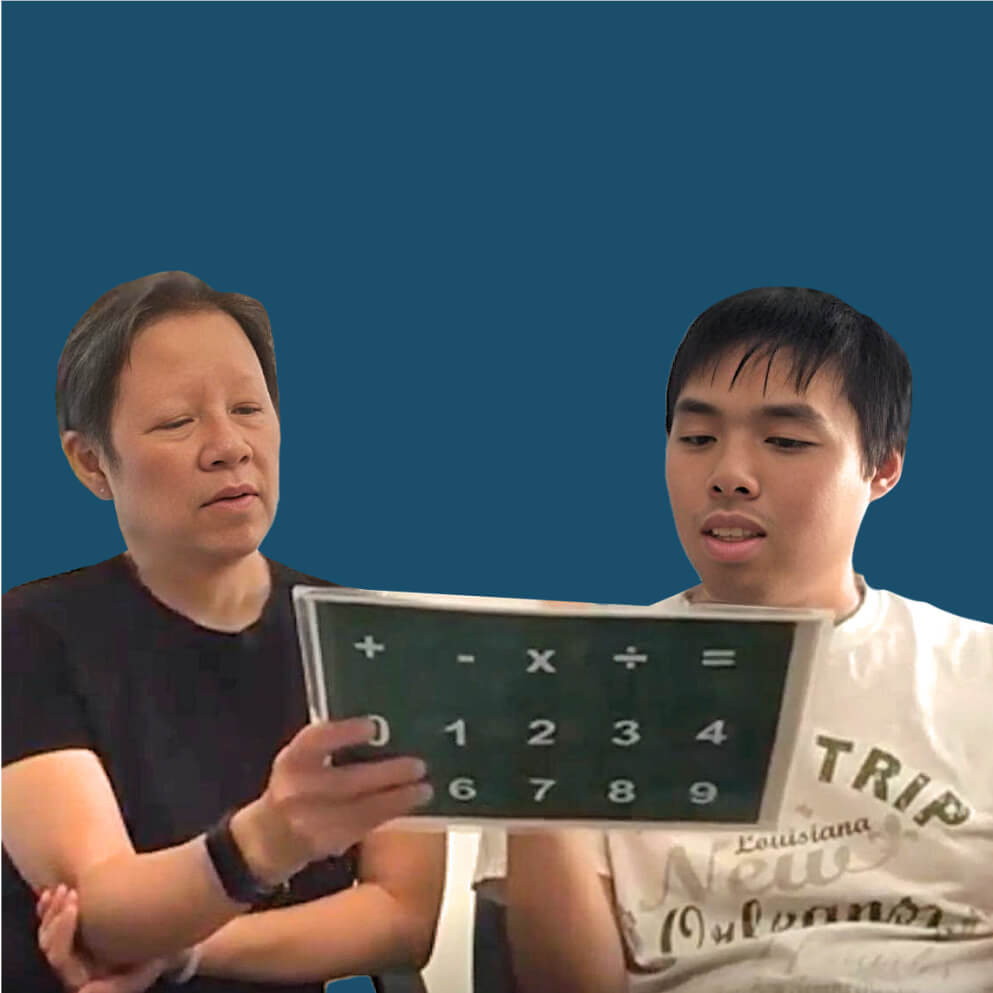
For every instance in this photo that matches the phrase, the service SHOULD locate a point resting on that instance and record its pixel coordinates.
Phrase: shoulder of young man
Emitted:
(932, 614)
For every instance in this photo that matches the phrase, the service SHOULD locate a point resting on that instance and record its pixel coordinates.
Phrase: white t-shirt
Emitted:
(880, 879)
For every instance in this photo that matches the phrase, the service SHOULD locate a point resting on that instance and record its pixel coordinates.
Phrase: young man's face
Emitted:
(779, 475)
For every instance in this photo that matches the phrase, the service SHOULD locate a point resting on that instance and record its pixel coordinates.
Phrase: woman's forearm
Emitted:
(137, 907)
(357, 931)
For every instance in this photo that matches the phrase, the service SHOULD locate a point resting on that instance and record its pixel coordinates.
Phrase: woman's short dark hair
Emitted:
(100, 343)
(814, 329)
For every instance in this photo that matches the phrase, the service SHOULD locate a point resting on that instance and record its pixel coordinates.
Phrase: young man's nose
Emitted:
(733, 474)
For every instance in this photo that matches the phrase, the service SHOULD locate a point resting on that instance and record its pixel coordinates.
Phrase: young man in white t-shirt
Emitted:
(787, 415)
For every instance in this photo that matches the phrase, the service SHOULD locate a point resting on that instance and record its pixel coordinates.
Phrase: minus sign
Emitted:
(465, 658)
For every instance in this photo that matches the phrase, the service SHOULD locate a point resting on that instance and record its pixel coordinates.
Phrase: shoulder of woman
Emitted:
(41, 593)
(285, 576)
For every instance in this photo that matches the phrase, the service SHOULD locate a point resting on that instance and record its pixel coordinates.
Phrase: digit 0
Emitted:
(382, 735)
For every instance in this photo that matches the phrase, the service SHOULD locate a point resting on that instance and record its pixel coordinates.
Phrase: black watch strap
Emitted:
(238, 880)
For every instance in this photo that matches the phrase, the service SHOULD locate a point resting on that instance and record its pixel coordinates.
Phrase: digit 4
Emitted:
(713, 732)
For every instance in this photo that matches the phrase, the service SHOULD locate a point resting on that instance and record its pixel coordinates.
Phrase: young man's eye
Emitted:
(696, 440)
(789, 443)
(248, 408)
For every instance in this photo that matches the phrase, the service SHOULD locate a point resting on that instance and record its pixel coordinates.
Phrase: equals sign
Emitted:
(465, 658)
(718, 656)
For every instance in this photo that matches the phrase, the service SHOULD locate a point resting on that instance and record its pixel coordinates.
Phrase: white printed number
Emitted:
(628, 733)
(703, 793)
(621, 791)
(463, 788)
(458, 729)
(714, 732)
(382, 735)
(544, 731)
(542, 786)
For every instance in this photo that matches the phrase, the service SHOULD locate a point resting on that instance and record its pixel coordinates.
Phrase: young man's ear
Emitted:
(886, 475)
(87, 463)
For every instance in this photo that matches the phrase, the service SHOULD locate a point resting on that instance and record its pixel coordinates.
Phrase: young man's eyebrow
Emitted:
(687, 405)
(795, 411)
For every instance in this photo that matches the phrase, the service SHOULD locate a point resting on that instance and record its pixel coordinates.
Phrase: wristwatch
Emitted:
(238, 880)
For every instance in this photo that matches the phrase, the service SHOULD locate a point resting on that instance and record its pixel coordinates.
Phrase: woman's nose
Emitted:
(225, 446)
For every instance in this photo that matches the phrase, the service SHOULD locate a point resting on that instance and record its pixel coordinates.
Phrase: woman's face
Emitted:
(197, 440)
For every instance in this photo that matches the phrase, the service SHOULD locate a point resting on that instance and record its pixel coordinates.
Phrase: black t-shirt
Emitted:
(186, 722)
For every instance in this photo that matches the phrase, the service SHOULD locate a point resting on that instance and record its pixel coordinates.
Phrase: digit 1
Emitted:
(457, 727)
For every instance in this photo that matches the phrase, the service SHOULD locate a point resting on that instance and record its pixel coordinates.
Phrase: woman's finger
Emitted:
(56, 937)
(350, 823)
(133, 981)
(44, 901)
(54, 907)
(52, 910)
(59, 934)
(314, 741)
(345, 783)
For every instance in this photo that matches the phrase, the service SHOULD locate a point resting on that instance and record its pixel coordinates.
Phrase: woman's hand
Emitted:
(311, 809)
(58, 911)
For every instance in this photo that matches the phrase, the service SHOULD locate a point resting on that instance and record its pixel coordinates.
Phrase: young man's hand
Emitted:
(58, 911)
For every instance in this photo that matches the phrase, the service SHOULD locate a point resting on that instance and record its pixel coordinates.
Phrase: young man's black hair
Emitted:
(814, 329)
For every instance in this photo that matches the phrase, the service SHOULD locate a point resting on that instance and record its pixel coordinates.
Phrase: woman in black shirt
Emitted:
(153, 757)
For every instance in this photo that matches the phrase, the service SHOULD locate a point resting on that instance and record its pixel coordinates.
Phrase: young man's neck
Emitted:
(844, 601)
(223, 595)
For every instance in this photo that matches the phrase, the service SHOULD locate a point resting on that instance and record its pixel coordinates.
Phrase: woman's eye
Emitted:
(172, 425)
(696, 440)
(248, 408)
(789, 443)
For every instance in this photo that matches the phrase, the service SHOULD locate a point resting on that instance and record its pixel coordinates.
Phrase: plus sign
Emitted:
(369, 647)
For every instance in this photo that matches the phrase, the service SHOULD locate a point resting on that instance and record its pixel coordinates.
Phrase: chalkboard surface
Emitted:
(526, 712)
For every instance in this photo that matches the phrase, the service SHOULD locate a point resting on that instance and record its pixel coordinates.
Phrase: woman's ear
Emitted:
(87, 463)
(886, 475)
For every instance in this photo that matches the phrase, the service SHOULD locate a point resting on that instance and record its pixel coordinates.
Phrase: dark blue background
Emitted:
(480, 231)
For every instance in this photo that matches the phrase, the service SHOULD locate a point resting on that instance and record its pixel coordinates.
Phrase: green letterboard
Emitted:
(568, 718)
